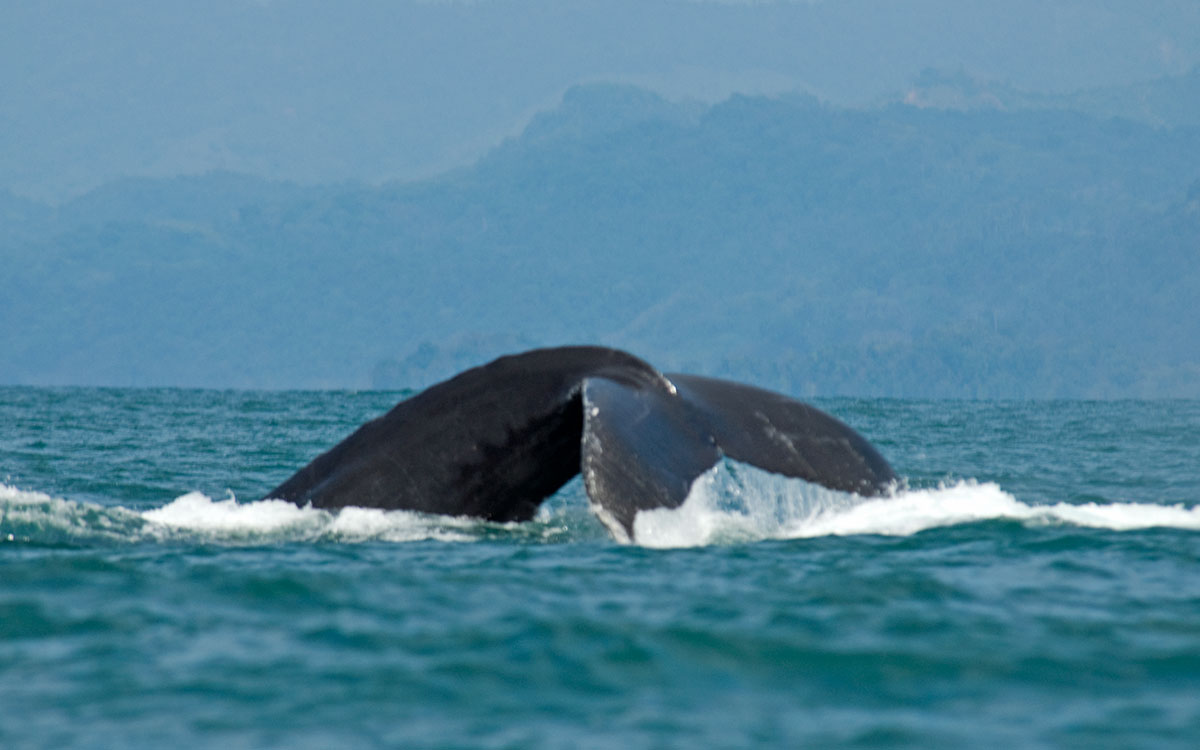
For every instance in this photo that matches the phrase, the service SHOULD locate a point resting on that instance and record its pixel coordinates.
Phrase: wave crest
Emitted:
(735, 502)
(731, 503)
(38, 518)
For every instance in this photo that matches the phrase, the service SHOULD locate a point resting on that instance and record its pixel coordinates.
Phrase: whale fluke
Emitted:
(495, 441)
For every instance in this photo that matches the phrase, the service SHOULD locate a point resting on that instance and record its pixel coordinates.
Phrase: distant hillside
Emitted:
(317, 92)
(905, 250)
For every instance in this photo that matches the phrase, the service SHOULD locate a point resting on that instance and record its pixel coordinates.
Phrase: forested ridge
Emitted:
(945, 244)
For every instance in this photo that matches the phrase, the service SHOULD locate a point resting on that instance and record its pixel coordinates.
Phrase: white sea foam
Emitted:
(12, 497)
(198, 513)
(735, 502)
(29, 515)
(36, 516)
(362, 524)
(730, 503)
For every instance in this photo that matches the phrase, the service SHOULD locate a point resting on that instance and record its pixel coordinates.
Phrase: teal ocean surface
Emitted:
(1035, 584)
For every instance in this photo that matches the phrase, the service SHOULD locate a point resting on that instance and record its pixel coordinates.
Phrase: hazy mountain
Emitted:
(899, 250)
(379, 89)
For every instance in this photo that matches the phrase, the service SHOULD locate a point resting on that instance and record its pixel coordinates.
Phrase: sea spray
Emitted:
(735, 502)
(730, 504)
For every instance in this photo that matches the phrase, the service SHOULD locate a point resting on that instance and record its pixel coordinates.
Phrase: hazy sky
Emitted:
(317, 91)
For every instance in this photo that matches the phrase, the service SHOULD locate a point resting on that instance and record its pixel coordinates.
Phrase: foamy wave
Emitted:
(735, 502)
(1122, 516)
(730, 503)
(12, 497)
(198, 512)
(281, 520)
(36, 516)
(40, 518)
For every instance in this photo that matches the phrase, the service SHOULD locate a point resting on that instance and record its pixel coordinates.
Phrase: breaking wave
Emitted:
(731, 503)
(736, 502)
(194, 517)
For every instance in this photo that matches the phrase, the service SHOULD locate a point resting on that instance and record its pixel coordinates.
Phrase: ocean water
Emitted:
(1036, 583)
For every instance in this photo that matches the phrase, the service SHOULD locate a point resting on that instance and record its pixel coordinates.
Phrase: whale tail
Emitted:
(495, 441)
